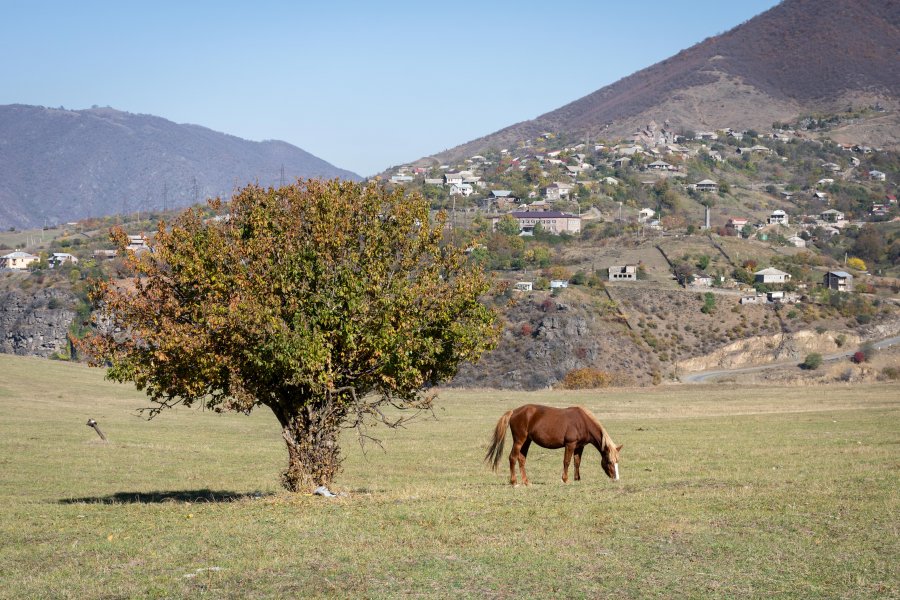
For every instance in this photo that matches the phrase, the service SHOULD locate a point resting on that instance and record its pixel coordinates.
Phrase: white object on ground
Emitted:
(616, 465)
(323, 491)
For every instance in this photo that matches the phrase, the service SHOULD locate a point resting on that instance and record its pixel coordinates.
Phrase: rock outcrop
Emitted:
(35, 324)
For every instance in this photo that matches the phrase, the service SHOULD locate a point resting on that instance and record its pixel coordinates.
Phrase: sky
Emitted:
(364, 85)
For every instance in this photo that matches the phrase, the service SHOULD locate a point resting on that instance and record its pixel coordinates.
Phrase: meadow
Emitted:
(726, 492)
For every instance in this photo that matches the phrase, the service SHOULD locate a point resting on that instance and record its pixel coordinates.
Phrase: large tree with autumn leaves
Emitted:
(324, 301)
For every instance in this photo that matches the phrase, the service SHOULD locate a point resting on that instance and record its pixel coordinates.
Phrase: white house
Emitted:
(59, 258)
(646, 214)
(558, 190)
(461, 189)
(18, 260)
(797, 241)
(777, 217)
(451, 178)
(877, 175)
(771, 275)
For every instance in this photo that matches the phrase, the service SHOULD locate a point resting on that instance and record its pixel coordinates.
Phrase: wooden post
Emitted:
(93, 423)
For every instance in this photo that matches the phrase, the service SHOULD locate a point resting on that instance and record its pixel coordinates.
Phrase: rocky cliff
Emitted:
(35, 324)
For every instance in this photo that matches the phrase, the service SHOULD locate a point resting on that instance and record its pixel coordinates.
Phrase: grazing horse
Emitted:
(572, 428)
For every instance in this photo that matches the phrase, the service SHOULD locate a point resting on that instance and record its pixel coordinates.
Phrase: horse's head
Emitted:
(609, 460)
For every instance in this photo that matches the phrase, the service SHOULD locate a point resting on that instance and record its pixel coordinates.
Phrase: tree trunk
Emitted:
(313, 451)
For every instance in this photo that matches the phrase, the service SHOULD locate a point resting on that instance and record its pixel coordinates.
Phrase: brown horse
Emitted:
(572, 428)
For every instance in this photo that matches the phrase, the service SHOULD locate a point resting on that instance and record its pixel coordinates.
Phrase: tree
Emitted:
(323, 301)
(857, 264)
(509, 225)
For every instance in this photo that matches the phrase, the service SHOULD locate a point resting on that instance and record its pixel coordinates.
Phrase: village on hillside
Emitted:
(643, 258)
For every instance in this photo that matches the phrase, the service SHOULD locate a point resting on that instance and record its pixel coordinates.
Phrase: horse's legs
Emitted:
(523, 454)
(515, 455)
(578, 452)
(570, 449)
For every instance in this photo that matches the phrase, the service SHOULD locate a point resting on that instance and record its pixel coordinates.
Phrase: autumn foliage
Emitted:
(324, 301)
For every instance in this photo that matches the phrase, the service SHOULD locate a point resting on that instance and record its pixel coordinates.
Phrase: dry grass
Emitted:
(747, 492)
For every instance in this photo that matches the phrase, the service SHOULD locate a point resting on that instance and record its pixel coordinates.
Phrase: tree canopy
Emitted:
(322, 300)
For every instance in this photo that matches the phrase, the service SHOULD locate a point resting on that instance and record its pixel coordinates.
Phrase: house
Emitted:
(461, 189)
(838, 280)
(706, 135)
(797, 241)
(754, 150)
(771, 275)
(506, 195)
(524, 286)
(104, 254)
(891, 199)
(401, 178)
(453, 178)
(137, 244)
(551, 221)
(18, 260)
(58, 258)
(558, 191)
(623, 273)
(610, 181)
(736, 223)
(831, 167)
(660, 165)
(832, 216)
(879, 210)
(434, 181)
(621, 162)
(819, 195)
(707, 185)
(777, 217)
(559, 283)
(754, 299)
(825, 181)
(877, 175)
(646, 214)
(701, 280)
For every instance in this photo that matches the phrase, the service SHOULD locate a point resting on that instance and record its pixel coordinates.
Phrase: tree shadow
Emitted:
(160, 497)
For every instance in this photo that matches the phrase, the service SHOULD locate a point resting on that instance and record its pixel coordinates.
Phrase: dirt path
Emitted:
(708, 376)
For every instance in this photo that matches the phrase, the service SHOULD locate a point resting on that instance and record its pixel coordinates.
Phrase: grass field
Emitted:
(730, 493)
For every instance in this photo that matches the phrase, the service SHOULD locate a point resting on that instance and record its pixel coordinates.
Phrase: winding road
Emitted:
(707, 376)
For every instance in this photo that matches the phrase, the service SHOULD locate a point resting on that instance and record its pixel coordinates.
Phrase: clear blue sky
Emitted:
(363, 85)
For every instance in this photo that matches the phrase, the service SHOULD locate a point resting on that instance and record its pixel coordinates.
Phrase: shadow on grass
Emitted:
(159, 497)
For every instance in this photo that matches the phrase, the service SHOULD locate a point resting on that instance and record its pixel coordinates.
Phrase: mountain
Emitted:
(61, 165)
(801, 56)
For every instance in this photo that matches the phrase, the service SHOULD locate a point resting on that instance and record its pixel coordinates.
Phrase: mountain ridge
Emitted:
(58, 165)
(797, 57)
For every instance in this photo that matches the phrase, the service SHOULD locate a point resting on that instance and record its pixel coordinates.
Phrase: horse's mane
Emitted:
(606, 442)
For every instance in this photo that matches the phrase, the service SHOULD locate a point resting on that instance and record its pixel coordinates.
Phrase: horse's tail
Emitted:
(495, 451)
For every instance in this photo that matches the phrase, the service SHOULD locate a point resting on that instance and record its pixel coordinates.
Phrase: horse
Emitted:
(572, 428)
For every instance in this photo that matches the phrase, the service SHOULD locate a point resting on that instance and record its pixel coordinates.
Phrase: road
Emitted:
(705, 376)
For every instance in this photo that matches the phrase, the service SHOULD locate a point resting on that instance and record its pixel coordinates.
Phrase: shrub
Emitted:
(813, 361)
(586, 379)
(840, 340)
(526, 329)
(891, 373)
(858, 357)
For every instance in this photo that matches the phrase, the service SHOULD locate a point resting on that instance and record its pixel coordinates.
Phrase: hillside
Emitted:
(61, 165)
(800, 57)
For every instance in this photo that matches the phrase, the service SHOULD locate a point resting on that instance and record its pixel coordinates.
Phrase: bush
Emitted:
(813, 361)
(891, 373)
(586, 379)
(858, 357)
